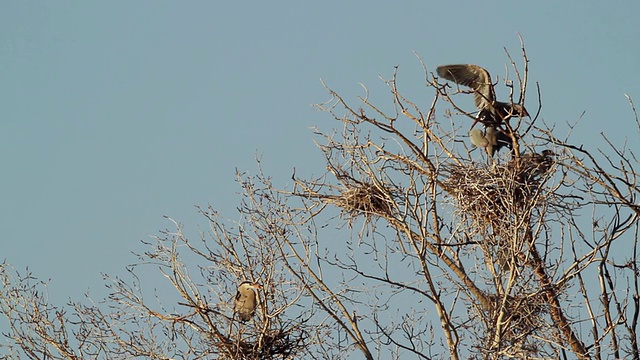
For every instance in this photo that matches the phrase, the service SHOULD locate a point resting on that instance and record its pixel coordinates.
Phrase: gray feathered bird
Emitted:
(492, 139)
(492, 112)
(533, 165)
(245, 302)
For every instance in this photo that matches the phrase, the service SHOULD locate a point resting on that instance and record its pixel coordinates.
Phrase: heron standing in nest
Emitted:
(531, 166)
(492, 112)
(245, 302)
(491, 140)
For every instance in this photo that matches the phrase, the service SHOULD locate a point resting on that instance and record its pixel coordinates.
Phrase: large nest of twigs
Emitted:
(364, 199)
(495, 193)
(280, 344)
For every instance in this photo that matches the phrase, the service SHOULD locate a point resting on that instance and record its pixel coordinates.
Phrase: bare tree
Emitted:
(411, 244)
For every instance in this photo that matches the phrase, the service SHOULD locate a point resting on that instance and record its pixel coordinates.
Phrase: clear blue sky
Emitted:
(113, 114)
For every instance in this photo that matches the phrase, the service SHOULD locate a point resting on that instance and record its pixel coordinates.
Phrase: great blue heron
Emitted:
(492, 139)
(245, 302)
(533, 165)
(492, 112)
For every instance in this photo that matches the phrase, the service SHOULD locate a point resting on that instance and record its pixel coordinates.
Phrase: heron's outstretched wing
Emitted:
(474, 77)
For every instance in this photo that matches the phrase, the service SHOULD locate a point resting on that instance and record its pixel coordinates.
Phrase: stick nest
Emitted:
(363, 198)
(495, 193)
(280, 344)
(519, 317)
(521, 314)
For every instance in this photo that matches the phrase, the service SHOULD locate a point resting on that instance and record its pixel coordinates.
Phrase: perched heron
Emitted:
(492, 112)
(492, 140)
(538, 164)
(245, 302)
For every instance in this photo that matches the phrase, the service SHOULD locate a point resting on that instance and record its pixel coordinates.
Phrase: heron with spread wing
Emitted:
(492, 112)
